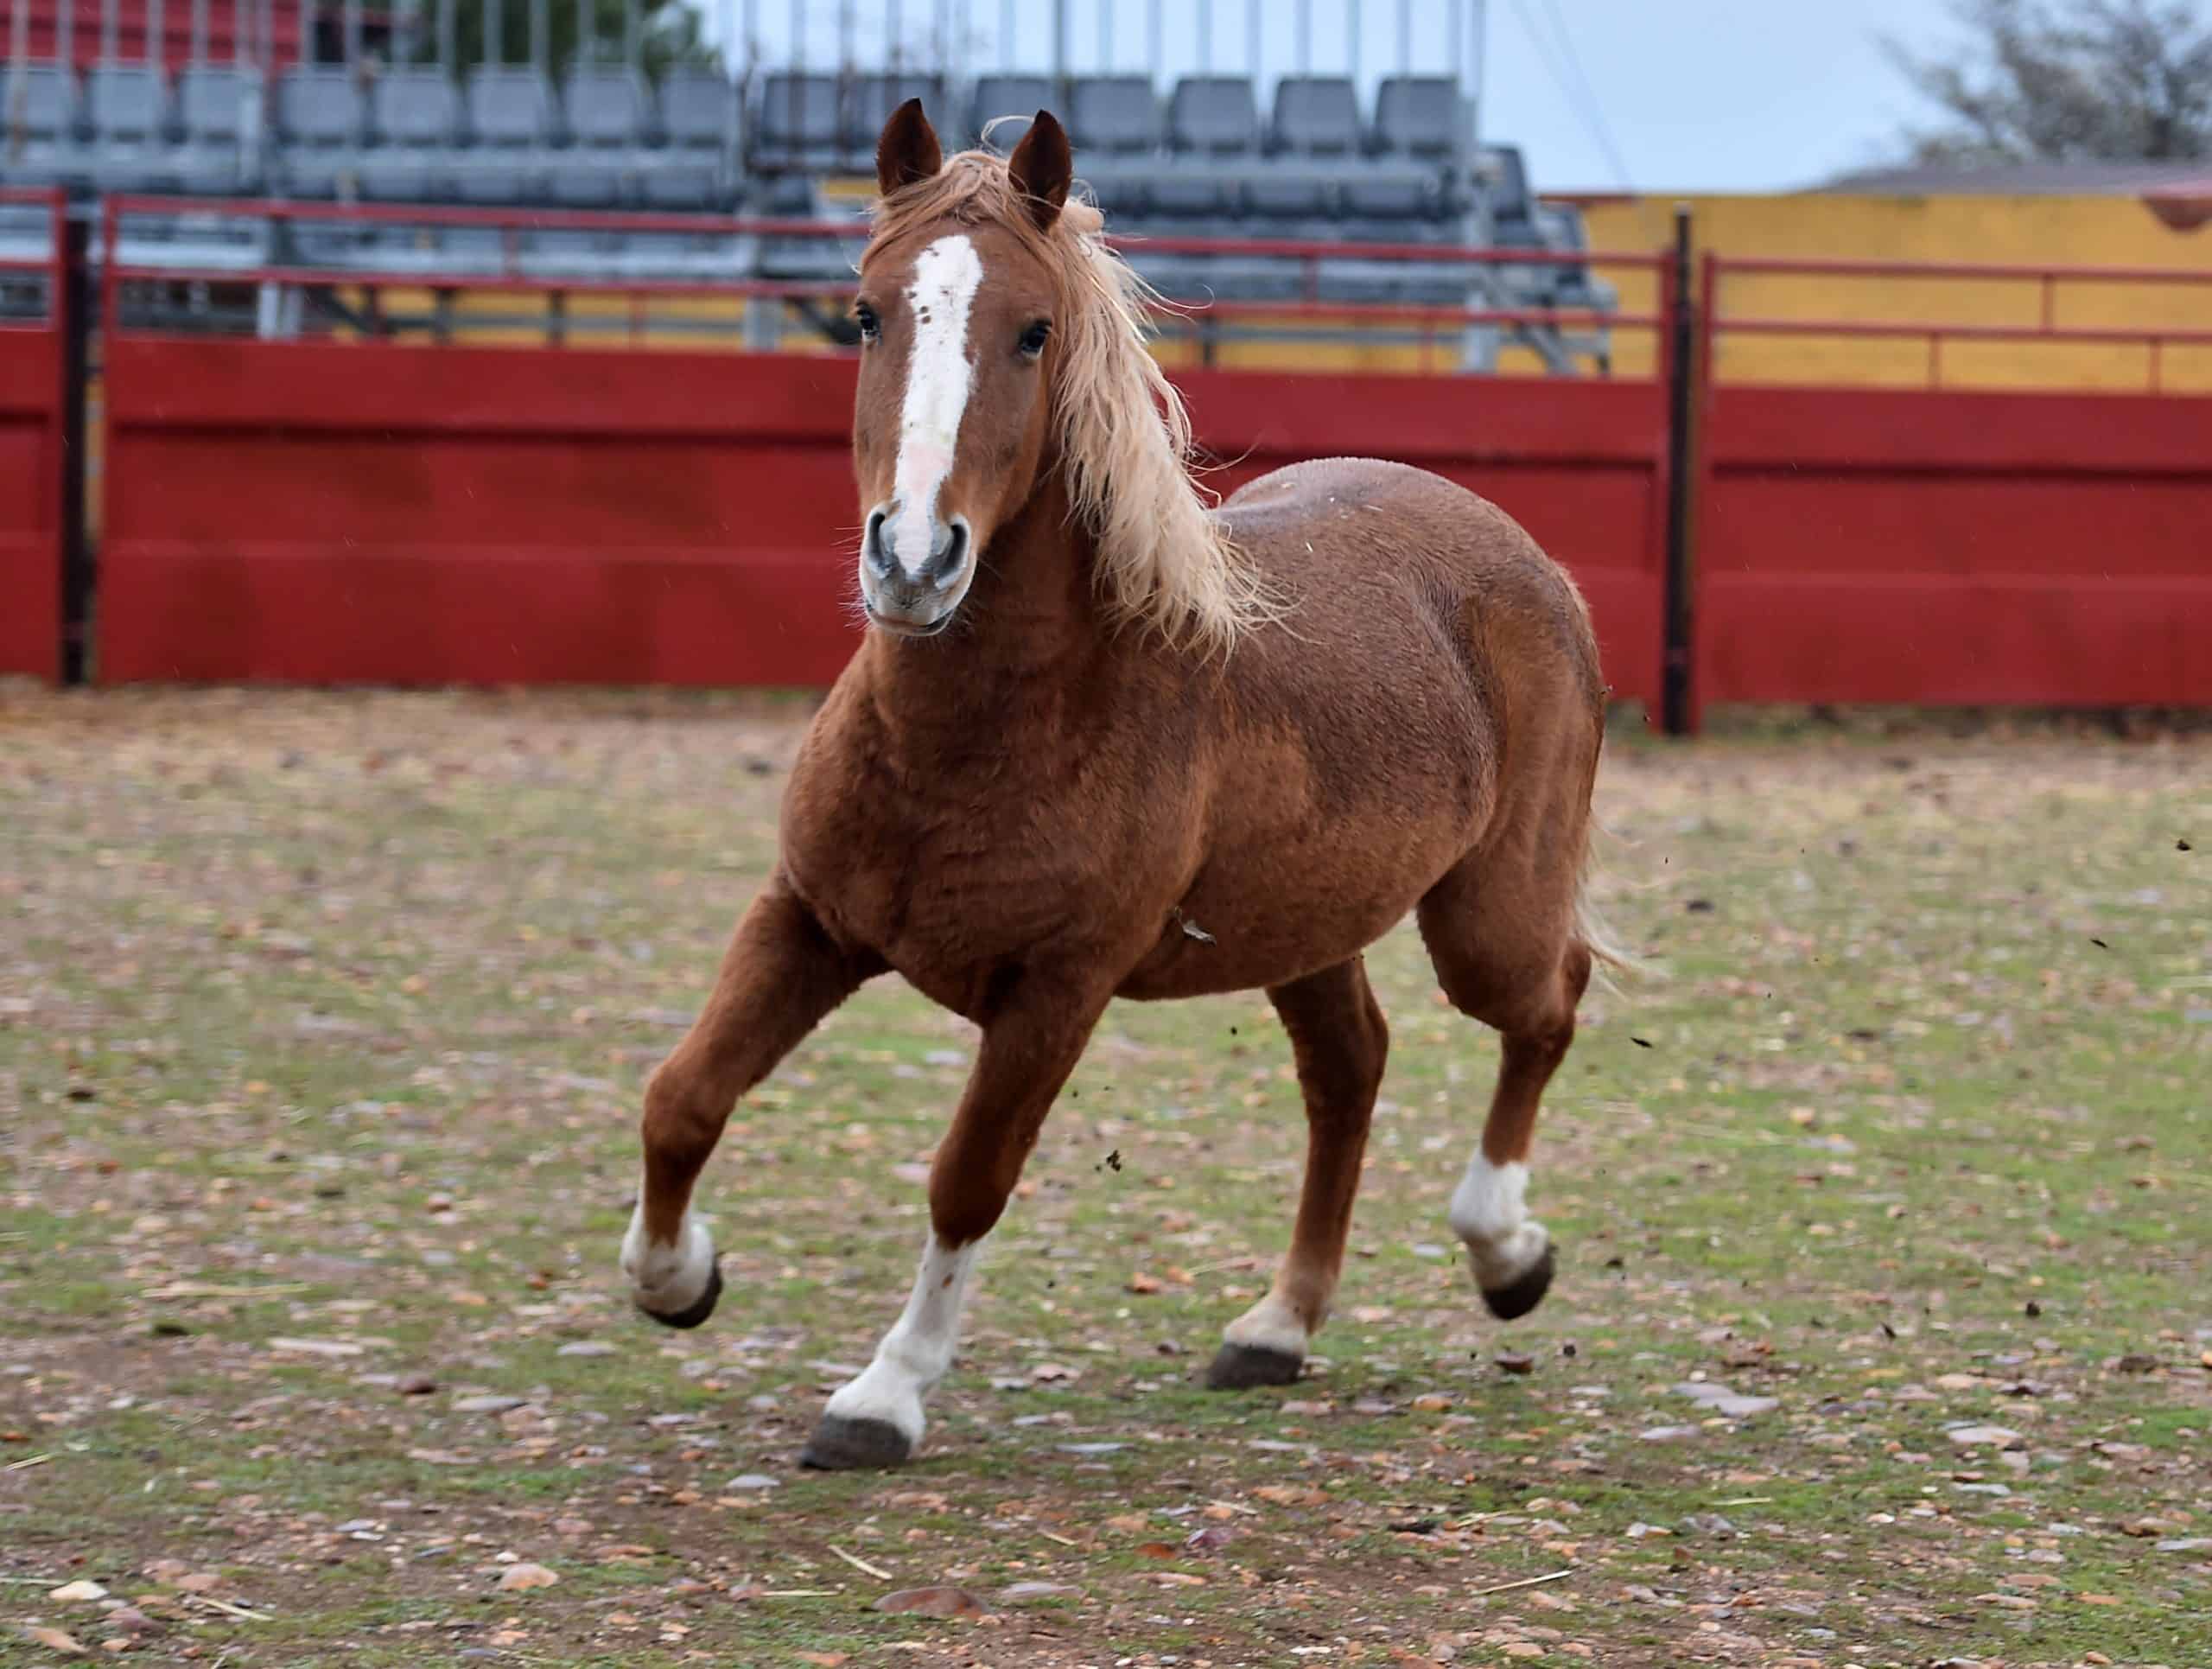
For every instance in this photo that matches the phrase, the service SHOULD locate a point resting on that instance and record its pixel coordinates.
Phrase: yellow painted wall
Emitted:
(2019, 230)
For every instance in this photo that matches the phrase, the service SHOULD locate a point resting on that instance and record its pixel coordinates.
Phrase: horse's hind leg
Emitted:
(779, 976)
(1339, 1037)
(1501, 934)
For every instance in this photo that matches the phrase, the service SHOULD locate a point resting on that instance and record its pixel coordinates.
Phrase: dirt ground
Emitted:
(1882, 1335)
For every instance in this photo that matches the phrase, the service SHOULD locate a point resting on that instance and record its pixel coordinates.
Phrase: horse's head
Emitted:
(957, 311)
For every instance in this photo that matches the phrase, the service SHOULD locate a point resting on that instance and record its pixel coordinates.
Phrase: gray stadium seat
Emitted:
(1314, 141)
(218, 111)
(1316, 116)
(1420, 116)
(1213, 127)
(869, 105)
(699, 120)
(1114, 122)
(127, 115)
(510, 117)
(610, 117)
(1213, 115)
(1017, 98)
(415, 115)
(799, 124)
(318, 119)
(40, 147)
(1512, 208)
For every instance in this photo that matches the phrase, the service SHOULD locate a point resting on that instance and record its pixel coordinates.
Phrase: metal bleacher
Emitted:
(1207, 156)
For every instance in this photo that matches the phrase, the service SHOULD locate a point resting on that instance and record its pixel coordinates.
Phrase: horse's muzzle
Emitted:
(915, 601)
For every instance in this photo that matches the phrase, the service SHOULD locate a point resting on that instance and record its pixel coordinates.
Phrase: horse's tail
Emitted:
(1597, 936)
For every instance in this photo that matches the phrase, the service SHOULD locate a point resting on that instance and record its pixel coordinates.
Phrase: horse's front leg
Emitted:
(779, 976)
(1031, 1043)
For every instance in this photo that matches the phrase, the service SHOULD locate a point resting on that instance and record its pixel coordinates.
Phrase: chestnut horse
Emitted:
(1103, 740)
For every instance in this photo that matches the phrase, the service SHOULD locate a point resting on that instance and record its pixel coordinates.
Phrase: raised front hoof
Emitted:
(698, 1312)
(1238, 1367)
(1511, 1303)
(840, 1444)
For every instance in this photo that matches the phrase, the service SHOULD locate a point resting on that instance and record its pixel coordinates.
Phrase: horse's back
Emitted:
(1342, 536)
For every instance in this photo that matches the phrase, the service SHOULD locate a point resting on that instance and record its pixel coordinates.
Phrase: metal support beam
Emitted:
(1677, 694)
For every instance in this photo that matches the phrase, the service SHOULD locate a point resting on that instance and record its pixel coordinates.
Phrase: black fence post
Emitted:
(75, 309)
(1677, 711)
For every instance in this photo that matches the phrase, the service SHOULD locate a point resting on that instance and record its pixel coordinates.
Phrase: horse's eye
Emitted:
(864, 316)
(1033, 339)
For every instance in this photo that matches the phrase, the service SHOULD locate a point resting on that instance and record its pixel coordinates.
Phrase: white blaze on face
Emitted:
(938, 377)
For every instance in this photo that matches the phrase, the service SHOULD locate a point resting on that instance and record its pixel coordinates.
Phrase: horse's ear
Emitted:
(907, 152)
(1042, 168)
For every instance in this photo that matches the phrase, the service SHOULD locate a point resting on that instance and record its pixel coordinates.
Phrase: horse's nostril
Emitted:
(949, 557)
(872, 547)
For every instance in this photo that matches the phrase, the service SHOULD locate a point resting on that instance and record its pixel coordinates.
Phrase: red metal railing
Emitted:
(50, 263)
(511, 276)
(2154, 339)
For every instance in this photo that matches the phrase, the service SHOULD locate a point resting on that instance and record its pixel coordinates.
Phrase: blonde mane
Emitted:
(1165, 561)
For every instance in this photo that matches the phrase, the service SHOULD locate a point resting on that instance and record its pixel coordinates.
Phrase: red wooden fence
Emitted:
(32, 402)
(357, 511)
(321, 512)
(1942, 546)
(1917, 546)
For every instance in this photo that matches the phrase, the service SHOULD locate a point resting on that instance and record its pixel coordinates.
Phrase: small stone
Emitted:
(1662, 1434)
(487, 1404)
(1642, 1531)
(518, 1578)
(1513, 1362)
(1092, 1449)
(1978, 1437)
(586, 1347)
(1021, 1593)
(941, 1602)
(78, 1593)
(417, 1385)
(753, 1481)
(1743, 1408)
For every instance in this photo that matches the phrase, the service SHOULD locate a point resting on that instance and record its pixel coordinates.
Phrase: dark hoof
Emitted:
(841, 1445)
(1235, 1368)
(1511, 1303)
(698, 1312)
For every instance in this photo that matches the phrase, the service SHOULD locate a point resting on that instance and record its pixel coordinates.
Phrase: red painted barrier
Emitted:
(321, 513)
(32, 372)
(1937, 547)
(333, 511)
(1918, 546)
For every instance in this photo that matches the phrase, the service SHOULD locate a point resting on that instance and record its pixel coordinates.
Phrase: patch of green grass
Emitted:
(324, 1021)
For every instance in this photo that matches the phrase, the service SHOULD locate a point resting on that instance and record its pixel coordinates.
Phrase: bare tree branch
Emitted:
(2092, 81)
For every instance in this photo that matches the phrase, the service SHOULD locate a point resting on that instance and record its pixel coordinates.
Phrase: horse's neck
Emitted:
(1032, 618)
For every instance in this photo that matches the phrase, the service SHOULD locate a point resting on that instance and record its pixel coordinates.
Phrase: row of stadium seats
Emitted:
(605, 138)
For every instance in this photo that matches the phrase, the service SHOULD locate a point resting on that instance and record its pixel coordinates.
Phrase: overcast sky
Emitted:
(1696, 95)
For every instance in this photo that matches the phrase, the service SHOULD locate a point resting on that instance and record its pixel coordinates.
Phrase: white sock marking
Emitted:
(939, 378)
(917, 1350)
(667, 1279)
(1271, 1324)
(1489, 1214)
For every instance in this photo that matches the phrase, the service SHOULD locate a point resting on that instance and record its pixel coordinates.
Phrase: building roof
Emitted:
(2030, 179)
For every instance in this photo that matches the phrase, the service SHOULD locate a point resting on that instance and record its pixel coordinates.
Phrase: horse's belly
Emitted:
(1264, 914)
